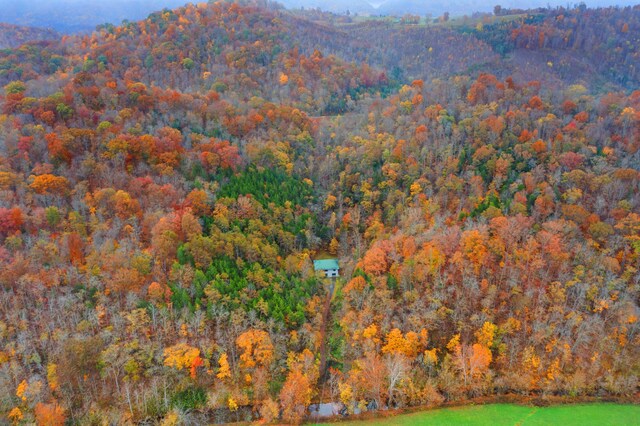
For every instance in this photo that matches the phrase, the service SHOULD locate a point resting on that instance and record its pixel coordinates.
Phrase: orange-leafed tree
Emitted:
(375, 260)
(198, 201)
(474, 246)
(224, 371)
(49, 184)
(183, 357)
(49, 414)
(257, 348)
(295, 397)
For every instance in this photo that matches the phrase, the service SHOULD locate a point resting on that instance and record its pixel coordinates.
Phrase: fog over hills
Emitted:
(70, 16)
(433, 7)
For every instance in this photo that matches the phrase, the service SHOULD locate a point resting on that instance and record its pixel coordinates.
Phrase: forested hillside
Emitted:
(165, 185)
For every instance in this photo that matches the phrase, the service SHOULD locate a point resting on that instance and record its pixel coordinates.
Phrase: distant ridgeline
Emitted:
(72, 16)
(14, 35)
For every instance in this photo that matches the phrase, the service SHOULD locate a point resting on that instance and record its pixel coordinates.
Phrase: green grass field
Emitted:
(511, 415)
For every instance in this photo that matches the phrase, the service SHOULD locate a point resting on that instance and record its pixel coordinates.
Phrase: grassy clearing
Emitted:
(512, 415)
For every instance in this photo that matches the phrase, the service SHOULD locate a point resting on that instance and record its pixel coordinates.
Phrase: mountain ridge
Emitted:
(15, 35)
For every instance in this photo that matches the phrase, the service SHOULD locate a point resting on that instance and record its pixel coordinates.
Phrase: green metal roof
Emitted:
(325, 264)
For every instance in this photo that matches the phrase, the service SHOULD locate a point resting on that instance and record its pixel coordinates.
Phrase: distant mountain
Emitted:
(69, 16)
(15, 35)
(335, 6)
(417, 7)
(431, 7)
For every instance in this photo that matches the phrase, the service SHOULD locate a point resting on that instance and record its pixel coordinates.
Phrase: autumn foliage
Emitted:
(165, 185)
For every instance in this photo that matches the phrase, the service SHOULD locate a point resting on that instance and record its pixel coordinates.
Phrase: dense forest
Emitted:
(165, 185)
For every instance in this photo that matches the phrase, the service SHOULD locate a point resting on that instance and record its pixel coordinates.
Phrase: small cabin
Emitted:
(329, 267)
